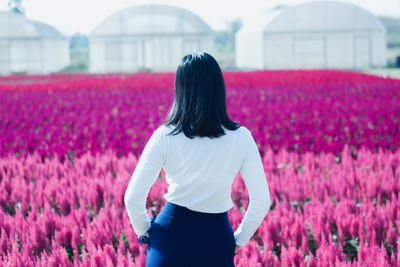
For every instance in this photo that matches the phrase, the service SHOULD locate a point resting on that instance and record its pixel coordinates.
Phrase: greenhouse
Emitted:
(147, 37)
(29, 46)
(326, 34)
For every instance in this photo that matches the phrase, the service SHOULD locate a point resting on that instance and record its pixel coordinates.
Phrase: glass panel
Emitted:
(18, 57)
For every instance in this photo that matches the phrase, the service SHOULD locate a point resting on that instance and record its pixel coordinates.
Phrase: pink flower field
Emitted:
(329, 142)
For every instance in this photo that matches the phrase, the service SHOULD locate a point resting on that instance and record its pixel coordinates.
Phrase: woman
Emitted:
(202, 151)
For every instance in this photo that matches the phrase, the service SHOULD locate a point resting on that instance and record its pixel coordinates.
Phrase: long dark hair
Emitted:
(199, 107)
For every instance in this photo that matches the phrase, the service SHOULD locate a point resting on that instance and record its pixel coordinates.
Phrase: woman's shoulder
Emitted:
(243, 130)
(163, 129)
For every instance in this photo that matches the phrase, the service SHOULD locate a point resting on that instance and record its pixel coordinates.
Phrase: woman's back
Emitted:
(200, 171)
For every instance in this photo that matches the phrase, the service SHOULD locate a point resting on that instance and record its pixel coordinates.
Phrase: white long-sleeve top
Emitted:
(200, 173)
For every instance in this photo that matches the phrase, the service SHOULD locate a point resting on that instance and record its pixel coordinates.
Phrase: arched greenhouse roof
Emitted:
(15, 25)
(151, 19)
(315, 16)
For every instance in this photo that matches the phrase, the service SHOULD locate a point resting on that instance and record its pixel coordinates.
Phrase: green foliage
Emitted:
(350, 248)
(392, 26)
(311, 242)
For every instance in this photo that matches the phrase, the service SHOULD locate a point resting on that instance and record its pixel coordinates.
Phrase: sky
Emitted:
(71, 16)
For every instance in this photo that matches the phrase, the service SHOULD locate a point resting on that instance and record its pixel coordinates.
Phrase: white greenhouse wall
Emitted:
(4, 57)
(249, 50)
(97, 56)
(158, 53)
(318, 50)
(28, 46)
(153, 37)
(311, 36)
(20, 56)
(55, 55)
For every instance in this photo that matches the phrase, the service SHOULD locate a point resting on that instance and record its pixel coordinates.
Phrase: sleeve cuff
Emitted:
(148, 223)
(238, 240)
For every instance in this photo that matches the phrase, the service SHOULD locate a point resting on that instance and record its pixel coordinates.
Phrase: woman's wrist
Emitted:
(145, 238)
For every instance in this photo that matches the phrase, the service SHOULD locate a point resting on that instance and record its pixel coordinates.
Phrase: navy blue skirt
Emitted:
(183, 237)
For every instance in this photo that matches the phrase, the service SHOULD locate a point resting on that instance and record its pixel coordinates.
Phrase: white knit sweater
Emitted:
(200, 173)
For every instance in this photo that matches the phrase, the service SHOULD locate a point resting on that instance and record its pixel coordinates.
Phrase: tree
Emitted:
(233, 27)
(16, 6)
